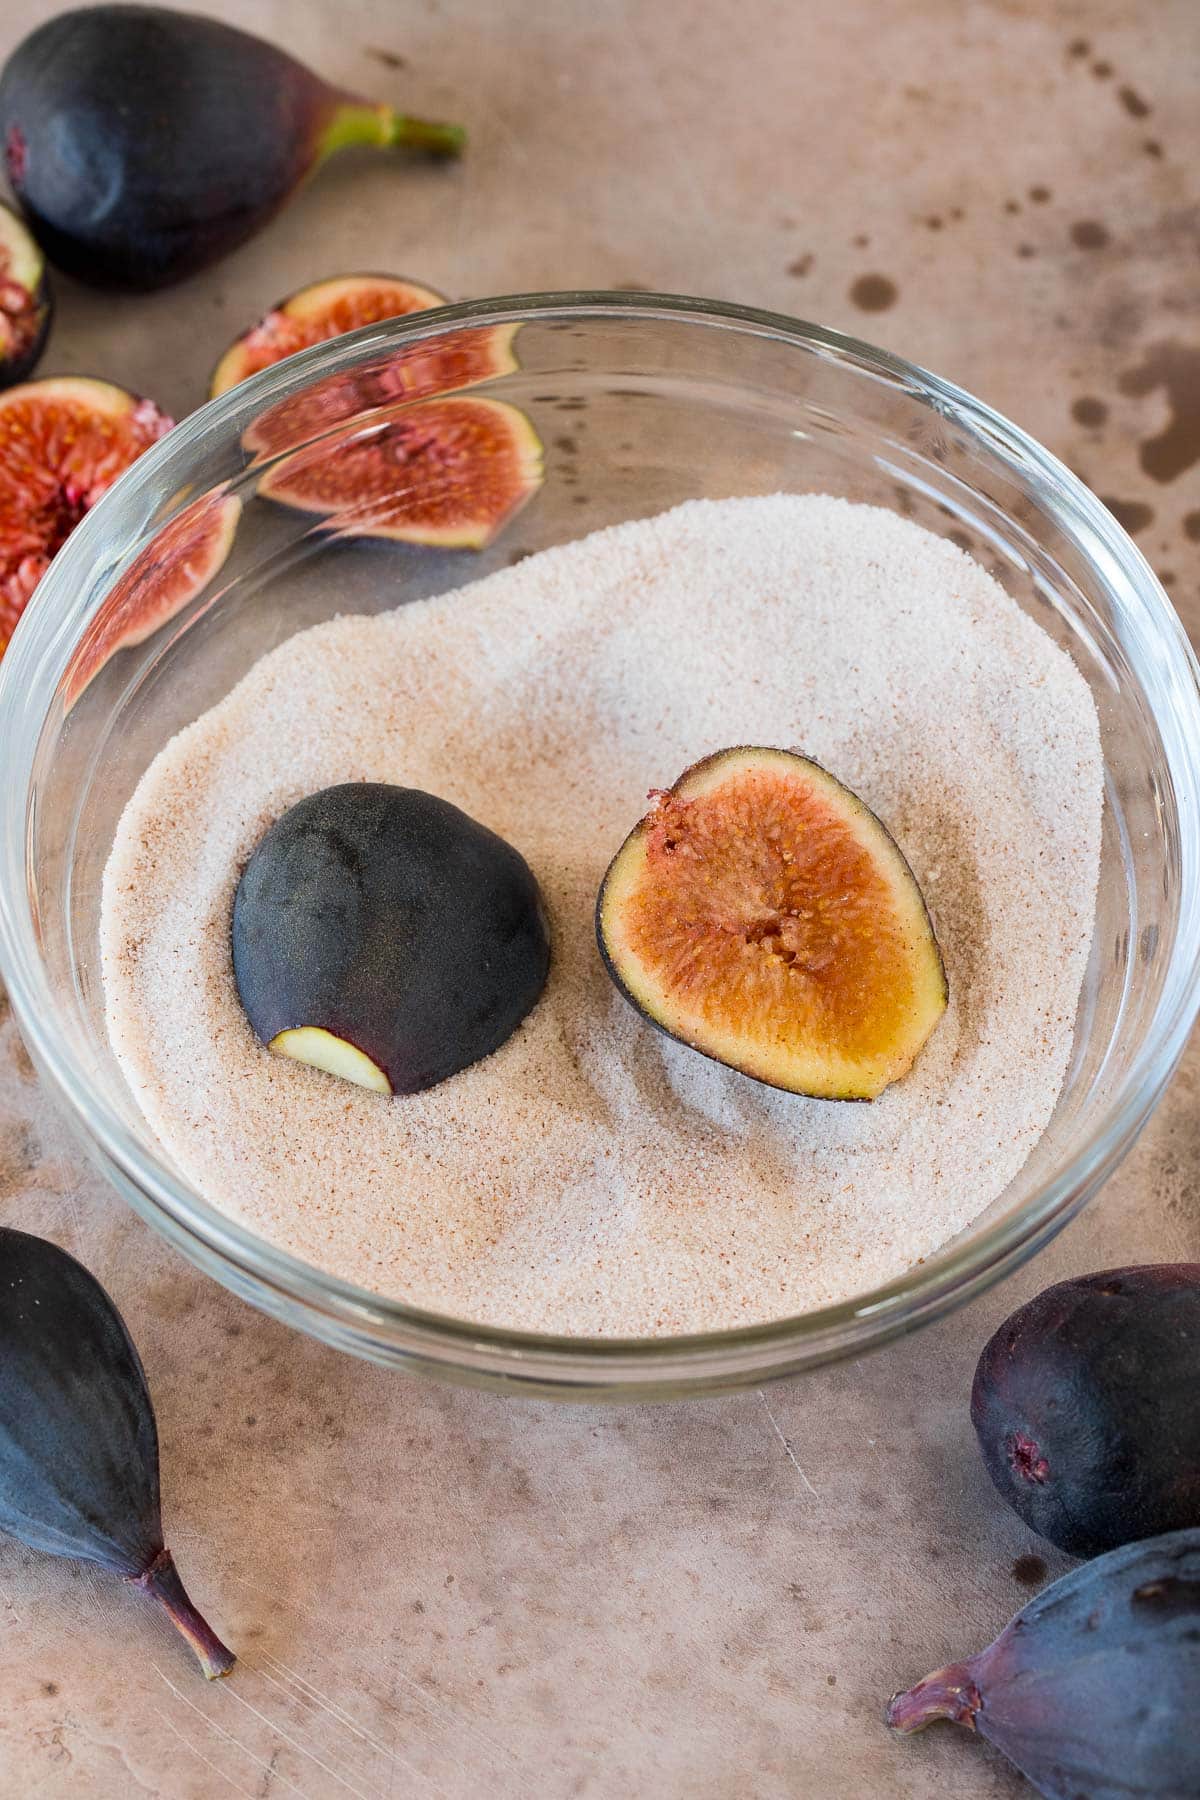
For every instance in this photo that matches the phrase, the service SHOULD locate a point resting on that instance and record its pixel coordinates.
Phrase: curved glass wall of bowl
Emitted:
(611, 407)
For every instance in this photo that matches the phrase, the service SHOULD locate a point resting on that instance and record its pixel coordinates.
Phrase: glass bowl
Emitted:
(641, 402)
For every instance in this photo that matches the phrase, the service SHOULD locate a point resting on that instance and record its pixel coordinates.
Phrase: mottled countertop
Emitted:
(439, 1592)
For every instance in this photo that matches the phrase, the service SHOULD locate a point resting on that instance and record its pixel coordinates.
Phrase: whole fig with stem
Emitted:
(1093, 1691)
(143, 144)
(78, 1439)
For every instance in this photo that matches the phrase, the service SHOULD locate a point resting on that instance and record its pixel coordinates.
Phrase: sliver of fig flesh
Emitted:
(25, 303)
(176, 565)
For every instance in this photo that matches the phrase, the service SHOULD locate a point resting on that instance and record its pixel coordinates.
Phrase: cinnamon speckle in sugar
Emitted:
(592, 1175)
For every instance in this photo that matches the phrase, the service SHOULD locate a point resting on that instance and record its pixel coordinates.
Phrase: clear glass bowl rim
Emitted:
(497, 1356)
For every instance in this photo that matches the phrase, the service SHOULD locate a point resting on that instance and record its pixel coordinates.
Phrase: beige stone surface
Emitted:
(439, 1592)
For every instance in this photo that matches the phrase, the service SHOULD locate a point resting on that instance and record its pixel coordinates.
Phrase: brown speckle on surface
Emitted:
(1176, 367)
(1029, 1570)
(391, 59)
(1132, 515)
(1040, 195)
(860, 241)
(1191, 526)
(802, 265)
(934, 222)
(1132, 101)
(874, 293)
(1102, 69)
(1089, 234)
(1152, 147)
(1088, 410)
(20, 1153)
(1026, 251)
(1012, 206)
(1078, 48)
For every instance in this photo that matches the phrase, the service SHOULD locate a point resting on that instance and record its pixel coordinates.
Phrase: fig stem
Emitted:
(162, 1581)
(359, 122)
(948, 1693)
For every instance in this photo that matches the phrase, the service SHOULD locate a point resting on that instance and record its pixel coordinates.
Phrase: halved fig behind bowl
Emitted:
(324, 310)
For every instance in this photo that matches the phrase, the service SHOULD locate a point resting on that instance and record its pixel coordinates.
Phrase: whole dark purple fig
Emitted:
(143, 144)
(78, 1441)
(1087, 1407)
(1093, 1691)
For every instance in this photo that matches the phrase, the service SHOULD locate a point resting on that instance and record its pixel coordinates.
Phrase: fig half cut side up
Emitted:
(762, 915)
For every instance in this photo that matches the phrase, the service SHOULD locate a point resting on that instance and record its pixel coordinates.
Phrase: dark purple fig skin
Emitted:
(393, 920)
(1086, 1404)
(1093, 1691)
(143, 144)
(78, 1440)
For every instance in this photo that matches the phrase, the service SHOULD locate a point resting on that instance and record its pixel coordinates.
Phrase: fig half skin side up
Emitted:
(144, 144)
(383, 935)
(1093, 1690)
(78, 1439)
(1086, 1404)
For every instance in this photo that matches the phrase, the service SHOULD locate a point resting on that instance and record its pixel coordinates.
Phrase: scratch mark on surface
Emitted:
(432, 1702)
(443, 1717)
(322, 1704)
(349, 1786)
(787, 1448)
(268, 1778)
(187, 1743)
(237, 1743)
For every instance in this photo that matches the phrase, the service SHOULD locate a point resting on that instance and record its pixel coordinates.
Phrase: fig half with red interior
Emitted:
(62, 444)
(431, 366)
(1091, 1690)
(761, 914)
(25, 306)
(325, 310)
(143, 143)
(449, 472)
(172, 569)
(1086, 1404)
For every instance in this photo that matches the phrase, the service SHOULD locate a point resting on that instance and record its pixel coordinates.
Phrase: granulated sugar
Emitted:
(594, 1176)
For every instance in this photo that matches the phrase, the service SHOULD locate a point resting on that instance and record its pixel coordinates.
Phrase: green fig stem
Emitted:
(948, 1693)
(359, 122)
(162, 1581)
